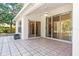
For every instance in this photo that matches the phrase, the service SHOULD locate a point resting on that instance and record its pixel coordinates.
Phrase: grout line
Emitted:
(9, 47)
(34, 49)
(17, 48)
(23, 44)
(1, 47)
(25, 48)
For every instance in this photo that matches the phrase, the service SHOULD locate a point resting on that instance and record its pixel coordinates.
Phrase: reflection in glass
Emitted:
(48, 26)
(34, 28)
(66, 27)
(59, 26)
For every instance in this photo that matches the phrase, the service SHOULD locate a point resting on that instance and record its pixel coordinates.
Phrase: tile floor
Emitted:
(33, 47)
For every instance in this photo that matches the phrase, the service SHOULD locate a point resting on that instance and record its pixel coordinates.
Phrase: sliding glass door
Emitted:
(34, 28)
(59, 26)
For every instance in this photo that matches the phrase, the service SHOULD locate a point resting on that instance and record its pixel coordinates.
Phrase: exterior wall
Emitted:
(42, 19)
(34, 17)
(59, 10)
(75, 35)
(24, 32)
(17, 26)
(43, 26)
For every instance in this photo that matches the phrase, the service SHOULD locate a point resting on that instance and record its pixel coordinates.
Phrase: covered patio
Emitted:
(53, 20)
(45, 29)
(33, 47)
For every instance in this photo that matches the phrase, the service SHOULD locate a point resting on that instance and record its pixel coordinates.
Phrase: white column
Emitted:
(43, 27)
(17, 25)
(75, 32)
(24, 32)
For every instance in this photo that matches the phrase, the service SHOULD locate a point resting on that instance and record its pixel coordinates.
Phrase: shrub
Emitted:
(6, 29)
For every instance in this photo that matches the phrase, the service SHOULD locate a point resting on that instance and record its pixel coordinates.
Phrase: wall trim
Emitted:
(57, 40)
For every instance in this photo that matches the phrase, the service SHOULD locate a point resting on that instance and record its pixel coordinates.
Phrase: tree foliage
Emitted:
(8, 11)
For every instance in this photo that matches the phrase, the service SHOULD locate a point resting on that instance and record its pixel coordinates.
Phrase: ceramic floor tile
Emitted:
(33, 47)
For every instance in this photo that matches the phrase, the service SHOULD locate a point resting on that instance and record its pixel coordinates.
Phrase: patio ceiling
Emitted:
(29, 7)
(45, 8)
(35, 10)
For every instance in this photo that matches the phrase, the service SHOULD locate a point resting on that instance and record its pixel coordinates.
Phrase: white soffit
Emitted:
(28, 8)
(32, 9)
(47, 7)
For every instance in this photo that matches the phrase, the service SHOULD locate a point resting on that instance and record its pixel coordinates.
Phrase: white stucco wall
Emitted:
(43, 26)
(34, 17)
(17, 25)
(24, 32)
(75, 36)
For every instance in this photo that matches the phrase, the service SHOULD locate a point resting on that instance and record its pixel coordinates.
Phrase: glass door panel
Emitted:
(38, 28)
(31, 29)
(34, 28)
(56, 27)
(66, 26)
(48, 26)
